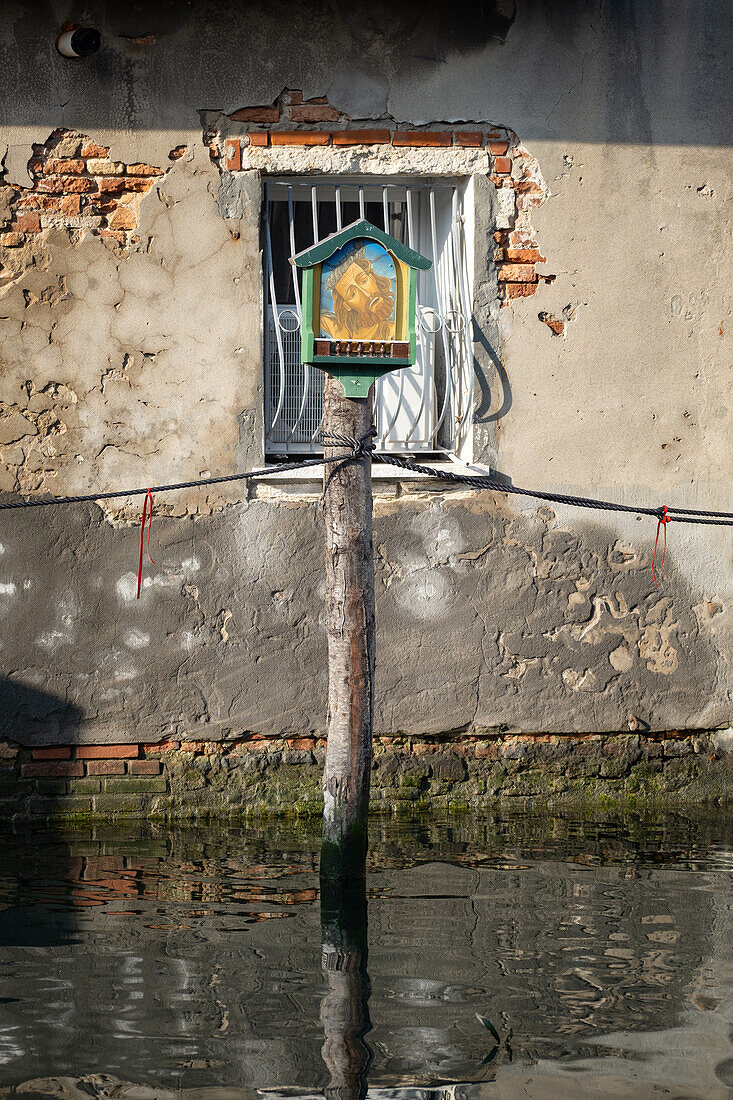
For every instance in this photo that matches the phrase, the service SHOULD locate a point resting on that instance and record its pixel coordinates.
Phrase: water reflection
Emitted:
(345, 1004)
(560, 957)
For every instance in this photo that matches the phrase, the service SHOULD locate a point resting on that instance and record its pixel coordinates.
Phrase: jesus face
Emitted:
(361, 294)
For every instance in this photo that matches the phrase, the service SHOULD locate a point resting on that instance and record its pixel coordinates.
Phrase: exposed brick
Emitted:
(502, 166)
(523, 255)
(38, 202)
(67, 144)
(516, 273)
(300, 137)
(301, 742)
(161, 746)
(469, 139)
(361, 137)
(178, 152)
(498, 148)
(69, 167)
(255, 114)
(419, 138)
(144, 767)
(101, 166)
(258, 137)
(314, 112)
(106, 767)
(53, 752)
(233, 154)
(51, 768)
(84, 786)
(93, 150)
(143, 170)
(122, 218)
(106, 752)
(71, 204)
(519, 290)
(68, 221)
(27, 223)
(67, 185)
(11, 240)
(192, 746)
(526, 187)
(114, 184)
(556, 326)
(292, 95)
(101, 204)
(141, 785)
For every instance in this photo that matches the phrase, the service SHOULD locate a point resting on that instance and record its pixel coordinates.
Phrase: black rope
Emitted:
(678, 515)
(39, 502)
(359, 448)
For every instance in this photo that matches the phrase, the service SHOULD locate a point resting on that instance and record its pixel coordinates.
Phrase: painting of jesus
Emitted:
(358, 285)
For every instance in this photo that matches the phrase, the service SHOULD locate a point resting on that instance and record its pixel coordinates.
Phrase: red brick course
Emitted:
(469, 139)
(361, 137)
(57, 182)
(144, 767)
(422, 138)
(106, 752)
(106, 767)
(51, 768)
(300, 137)
(53, 752)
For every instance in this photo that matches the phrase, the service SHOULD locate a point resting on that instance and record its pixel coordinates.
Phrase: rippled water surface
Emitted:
(507, 957)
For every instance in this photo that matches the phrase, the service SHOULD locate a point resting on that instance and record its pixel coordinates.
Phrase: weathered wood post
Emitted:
(359, 300)
(347, 510)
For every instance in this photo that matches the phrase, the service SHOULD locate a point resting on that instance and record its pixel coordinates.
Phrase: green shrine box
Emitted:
(359, 293)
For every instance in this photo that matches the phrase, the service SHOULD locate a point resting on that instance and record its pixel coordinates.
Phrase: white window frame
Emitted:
(415, 414)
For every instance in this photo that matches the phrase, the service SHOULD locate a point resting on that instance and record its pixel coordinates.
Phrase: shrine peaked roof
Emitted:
(359, 230)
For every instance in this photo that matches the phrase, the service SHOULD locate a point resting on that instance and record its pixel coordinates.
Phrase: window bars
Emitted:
(425, 408)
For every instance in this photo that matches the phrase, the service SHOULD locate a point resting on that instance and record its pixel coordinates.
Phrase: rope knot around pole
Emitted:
(360, 448)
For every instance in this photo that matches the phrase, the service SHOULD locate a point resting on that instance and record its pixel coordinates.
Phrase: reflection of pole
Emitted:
(347, 509)
(345, 1004)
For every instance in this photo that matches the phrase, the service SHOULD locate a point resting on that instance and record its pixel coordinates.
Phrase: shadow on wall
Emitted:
(30, 716)
(483, 414)
(636, 71)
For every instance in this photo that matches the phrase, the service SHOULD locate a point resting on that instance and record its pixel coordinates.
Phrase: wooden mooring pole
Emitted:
(347, 509)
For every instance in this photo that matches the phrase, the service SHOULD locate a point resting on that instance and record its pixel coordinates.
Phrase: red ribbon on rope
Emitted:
(148, 497)
(661, 522)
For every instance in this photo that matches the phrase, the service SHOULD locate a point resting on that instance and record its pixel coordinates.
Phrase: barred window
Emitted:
(425, 408)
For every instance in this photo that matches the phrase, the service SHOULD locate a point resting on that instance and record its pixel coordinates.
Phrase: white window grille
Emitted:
(425, 408)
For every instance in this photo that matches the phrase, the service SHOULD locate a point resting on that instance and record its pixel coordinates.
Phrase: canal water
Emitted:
(510, 956)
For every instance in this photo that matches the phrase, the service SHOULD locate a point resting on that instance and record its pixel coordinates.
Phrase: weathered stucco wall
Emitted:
(131, 354)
